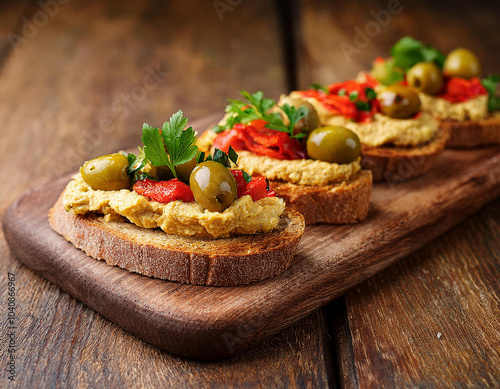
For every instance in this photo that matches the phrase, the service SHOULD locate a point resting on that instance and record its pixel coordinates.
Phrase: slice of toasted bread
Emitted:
(238, 260)
(472, 133)
(396, 164)
(341, 203)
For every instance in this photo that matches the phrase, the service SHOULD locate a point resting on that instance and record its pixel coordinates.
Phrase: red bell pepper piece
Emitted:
(164, 191)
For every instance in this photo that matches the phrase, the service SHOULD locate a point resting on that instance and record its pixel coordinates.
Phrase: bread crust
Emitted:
(397, 164)
(342, 203)
(232, 261)
(470, 133)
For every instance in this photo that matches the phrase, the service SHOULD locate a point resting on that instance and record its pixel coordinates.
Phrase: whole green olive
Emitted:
(164, 173)
(184, 171)
(384, 72)
(108, 172)
(307, 124)
(334, 144)
(213, 186)
(398, 101)
(462, 63)
(425, 77)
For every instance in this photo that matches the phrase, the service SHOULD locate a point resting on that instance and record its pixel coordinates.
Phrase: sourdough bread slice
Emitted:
(342, 203)
(396, 164)
(471, 133)
(237, 260)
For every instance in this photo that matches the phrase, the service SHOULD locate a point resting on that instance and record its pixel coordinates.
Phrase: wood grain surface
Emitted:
(213, 323)
(57, 94)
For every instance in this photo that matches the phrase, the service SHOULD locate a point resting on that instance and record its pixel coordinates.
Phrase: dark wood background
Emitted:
(78, 80)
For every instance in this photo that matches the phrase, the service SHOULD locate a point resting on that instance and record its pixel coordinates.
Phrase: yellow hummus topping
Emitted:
(297, 171)
(244, 216)
(382, 129)
(473, 109)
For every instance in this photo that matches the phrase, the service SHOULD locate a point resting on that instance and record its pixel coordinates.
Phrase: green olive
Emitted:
(309, 123)
(108, 172)
(160, 172)
(383, 72)
(334, 144)
(398, 101)
(184, 171)
(462, 63)
(164, 173)
(213, 186)
(425, 77)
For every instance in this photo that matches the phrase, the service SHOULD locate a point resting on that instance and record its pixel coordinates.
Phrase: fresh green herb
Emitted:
(294, 115)
(370, 93)
(491, 83)
(353, 95)
(342, 92)
(408, 51)
(363, 105)
(218, 129)
(233, 156)
(173, 146)
(140, 175)
(246, 176)
(219, 156)
(257, 107)
(136, 162)
(320, 87)
(200, 157)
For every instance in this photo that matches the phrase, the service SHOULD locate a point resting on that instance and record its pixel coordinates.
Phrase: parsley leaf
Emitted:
(173, 146)
(257, 107)
(408, 51)
(370, 93)
(320, 87)
(490, 83)
(363, 105)
(294, 115)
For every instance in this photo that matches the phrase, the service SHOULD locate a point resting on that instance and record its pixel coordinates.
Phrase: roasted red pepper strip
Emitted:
(241, 183)
(458, 90)
(341, 104)
(257, 138)
(164, 191)
(258, 188)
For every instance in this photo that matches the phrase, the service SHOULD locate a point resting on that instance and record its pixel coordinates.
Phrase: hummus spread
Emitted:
(297, 171)
(244, 216)
(382, 129)
(473, 109)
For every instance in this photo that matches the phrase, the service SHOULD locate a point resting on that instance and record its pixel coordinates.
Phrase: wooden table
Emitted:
(79, 79)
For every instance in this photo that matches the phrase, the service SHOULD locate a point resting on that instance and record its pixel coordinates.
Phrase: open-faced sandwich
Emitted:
(450, 88)
(398, 141)
(170, 212)
(315, 169)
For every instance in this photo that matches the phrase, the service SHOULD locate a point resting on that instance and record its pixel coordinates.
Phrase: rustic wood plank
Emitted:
(201, 322)
(63, 343)
(433, 319)
(76, 90)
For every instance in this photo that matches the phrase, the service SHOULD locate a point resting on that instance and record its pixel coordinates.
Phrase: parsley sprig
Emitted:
(172, 145)
(491, 83)
(408, 51)
(257, 106)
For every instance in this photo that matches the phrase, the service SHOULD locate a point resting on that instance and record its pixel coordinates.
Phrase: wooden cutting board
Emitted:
(213, 322)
